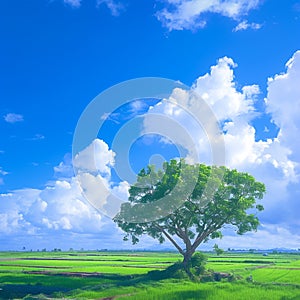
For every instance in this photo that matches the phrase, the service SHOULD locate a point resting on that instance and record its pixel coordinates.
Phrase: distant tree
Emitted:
(193, 223)
(218, 250)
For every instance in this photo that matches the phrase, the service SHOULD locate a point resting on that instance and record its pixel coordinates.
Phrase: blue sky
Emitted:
(56, 56)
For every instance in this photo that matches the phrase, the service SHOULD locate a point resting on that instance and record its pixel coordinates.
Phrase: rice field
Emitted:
(122, 275)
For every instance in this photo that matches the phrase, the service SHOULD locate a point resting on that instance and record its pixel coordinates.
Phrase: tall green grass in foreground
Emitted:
(212, 291)
(181, 290)
(49, 275)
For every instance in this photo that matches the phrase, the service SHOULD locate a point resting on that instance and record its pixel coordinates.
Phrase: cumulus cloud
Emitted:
(95, 158)
(269, 236)
(93, 168)
(37, 137)
(64, 169)
(67, 205)
(116, 8)
(73, 3)
(219, 90)
(190, 14)
(274, 161)
(235, 109)
(283, 103)
(58, 209)
(244, 25)
(13, 118)
(2, 174)
(61, 207)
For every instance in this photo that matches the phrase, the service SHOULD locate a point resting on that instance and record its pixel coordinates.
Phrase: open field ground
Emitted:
(121, 275)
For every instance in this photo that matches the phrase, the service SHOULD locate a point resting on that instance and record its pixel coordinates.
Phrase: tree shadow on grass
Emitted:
(17, 291)
(49, 286)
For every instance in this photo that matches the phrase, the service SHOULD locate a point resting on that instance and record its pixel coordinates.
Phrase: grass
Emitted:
(122, 274)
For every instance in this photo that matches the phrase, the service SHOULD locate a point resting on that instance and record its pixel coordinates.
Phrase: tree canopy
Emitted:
(219, 197)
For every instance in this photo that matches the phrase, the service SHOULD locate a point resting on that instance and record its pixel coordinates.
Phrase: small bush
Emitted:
(177, 270)
(174, 271)
(198, 262)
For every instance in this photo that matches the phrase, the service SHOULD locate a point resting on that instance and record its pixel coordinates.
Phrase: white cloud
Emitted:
(235, 109)
(37, 137)
(2, 173)
(116, 8)
(13, 118)
(283, 103)
(244, 25)
(95, 158)
(93, 168)
(96, 189)
(273, 161)
(73, 3)
(269, 236)
(219, 90)
(64, 206)
(13, 207)
(60, 208)
(63, 170)
(189, 14)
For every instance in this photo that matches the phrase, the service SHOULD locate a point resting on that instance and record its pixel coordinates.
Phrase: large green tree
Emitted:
(219, 197)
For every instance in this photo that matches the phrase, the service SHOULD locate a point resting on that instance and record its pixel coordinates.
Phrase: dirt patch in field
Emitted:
(73, 274)
(81, 274)
(8, 259)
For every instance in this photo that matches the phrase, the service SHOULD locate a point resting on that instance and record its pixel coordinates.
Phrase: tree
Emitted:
(218, 250)
(202, 213)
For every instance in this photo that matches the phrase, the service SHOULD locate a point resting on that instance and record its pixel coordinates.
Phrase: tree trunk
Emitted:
(187, 262)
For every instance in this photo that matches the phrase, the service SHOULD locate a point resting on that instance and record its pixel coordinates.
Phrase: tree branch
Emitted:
(170, 238)
(182, 234)
(201, 237)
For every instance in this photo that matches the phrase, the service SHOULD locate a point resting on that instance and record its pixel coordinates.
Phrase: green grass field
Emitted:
(121, 275)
